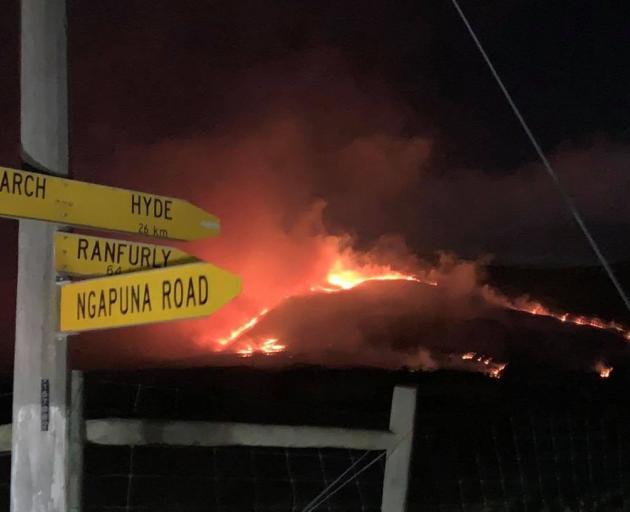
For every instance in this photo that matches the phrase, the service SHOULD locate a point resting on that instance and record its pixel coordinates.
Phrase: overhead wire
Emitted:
(333, 488)
(568, 201)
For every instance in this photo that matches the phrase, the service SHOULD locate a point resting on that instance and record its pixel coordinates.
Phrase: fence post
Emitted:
(397, 465)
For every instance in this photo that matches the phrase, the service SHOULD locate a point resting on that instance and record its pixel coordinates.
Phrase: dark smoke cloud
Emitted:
(519, 216)
(309, 127)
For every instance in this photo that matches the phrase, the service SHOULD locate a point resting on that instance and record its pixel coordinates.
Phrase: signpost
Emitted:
(43, 444)
(177, 293)
(37, 196)
(39, 476)
(83, 255)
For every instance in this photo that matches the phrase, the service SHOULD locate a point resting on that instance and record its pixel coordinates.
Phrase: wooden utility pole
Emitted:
(39, 475)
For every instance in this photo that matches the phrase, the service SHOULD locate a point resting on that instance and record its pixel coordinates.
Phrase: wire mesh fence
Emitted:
(223, 479)
(220, 478)
(485, 446)
(566, 461)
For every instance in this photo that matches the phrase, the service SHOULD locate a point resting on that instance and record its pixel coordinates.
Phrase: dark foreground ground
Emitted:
(528, 442)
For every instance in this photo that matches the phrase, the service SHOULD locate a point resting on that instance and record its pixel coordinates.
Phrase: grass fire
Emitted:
(337, 268)
(282, 327)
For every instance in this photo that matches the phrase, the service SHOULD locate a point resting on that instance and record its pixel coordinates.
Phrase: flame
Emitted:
(345, 275)
(603, 370)
(243, 328)
(267, 346)
(272, 346)
(496, 372)
(247, 351)
(536, 308)
(341, 276)
(492, 368)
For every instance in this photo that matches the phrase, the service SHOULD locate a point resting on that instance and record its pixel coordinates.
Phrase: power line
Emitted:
(552, 173)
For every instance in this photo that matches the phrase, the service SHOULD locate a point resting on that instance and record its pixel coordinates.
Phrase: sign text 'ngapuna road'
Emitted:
(176, 293)
(37, 196)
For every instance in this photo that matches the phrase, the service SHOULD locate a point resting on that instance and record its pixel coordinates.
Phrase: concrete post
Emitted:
(40, 427)
(397, 465)
(77, 438)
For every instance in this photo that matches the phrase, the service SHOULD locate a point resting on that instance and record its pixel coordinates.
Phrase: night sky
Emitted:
(400, 127)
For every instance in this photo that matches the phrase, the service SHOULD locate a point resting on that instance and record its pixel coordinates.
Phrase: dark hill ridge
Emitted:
(393, 324)
(582, 290)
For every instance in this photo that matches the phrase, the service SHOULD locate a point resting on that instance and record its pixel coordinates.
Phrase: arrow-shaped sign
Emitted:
(41, 197)
(82, 255)
(177, 293)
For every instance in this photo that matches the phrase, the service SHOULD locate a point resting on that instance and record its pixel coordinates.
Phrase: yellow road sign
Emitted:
(176, 293)
(37, 196)
(83, 255)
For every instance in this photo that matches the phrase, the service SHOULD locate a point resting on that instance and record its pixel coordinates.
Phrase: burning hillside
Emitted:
(374, 315)
(385, 307)
(317, 204)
